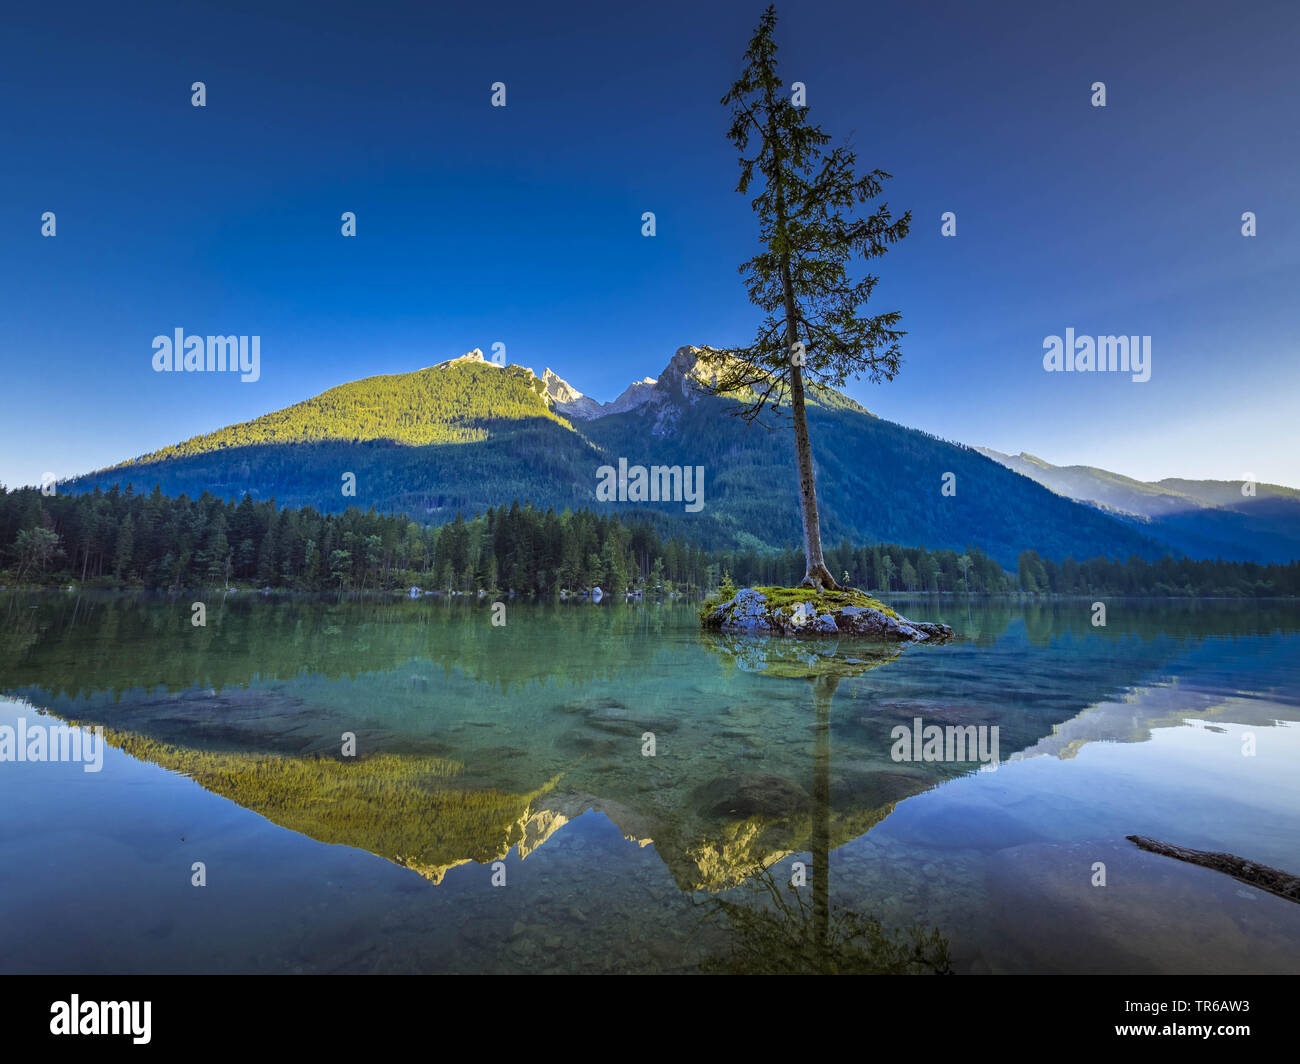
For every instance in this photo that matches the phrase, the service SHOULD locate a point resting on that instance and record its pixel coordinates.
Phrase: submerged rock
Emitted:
(764, 797)
(803, 611)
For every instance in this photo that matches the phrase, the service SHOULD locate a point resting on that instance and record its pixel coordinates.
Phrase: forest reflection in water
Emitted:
(478, 745)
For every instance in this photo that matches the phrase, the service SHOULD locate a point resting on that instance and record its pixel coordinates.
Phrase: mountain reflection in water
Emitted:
(475, 744)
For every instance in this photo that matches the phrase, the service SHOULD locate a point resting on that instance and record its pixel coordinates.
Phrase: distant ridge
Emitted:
(1202, 518)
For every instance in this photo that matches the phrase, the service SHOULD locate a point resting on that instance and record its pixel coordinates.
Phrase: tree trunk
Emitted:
(1273, 880)
(816, 575)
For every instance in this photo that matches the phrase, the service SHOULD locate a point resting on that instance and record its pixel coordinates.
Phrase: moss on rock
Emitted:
(808, 611)
(822, 601)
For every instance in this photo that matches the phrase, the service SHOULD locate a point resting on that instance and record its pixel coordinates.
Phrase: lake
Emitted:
(387, 785)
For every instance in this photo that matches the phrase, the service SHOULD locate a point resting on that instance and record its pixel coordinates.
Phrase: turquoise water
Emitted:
(636, 788)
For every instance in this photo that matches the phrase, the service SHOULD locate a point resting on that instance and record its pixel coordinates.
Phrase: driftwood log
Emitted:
(1273, 880)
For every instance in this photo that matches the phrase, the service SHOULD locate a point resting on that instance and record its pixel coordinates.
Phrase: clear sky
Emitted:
(522, 224)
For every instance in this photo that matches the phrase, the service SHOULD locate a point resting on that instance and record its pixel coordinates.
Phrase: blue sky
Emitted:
(523, 224)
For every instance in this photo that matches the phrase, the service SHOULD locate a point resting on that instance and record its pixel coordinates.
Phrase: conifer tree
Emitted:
(814, 332)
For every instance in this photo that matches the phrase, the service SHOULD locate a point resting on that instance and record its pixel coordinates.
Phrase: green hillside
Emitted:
(456, 402)
(877, 482)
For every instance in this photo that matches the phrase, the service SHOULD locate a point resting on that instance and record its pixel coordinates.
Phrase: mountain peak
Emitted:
(570, 402)
(566, 399)
(688, 375)
(559, 389)
(471, 356)
(690, 361)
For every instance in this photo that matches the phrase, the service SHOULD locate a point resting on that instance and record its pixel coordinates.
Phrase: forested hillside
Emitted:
(465, 436)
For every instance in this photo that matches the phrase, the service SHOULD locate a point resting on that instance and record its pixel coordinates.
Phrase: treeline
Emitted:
(121, 539)
(1165, 576)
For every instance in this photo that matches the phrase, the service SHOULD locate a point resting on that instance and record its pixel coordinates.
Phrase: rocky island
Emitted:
(806, 612)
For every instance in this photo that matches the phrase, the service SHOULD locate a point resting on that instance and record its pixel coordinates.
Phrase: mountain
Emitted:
(466, 434)
(1202, 518)
(568, 401)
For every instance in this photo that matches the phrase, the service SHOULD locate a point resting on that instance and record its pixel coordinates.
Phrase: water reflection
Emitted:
(476, 744)
(777, 931)
(469, 746)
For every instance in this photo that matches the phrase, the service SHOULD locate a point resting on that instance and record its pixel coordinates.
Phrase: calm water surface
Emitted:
(521, 752)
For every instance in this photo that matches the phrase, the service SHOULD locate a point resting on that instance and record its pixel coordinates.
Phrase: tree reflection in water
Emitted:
(781, 931)
(784, 933)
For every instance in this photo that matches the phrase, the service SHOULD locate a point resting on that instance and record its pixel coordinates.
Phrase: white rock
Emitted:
(803, 614)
